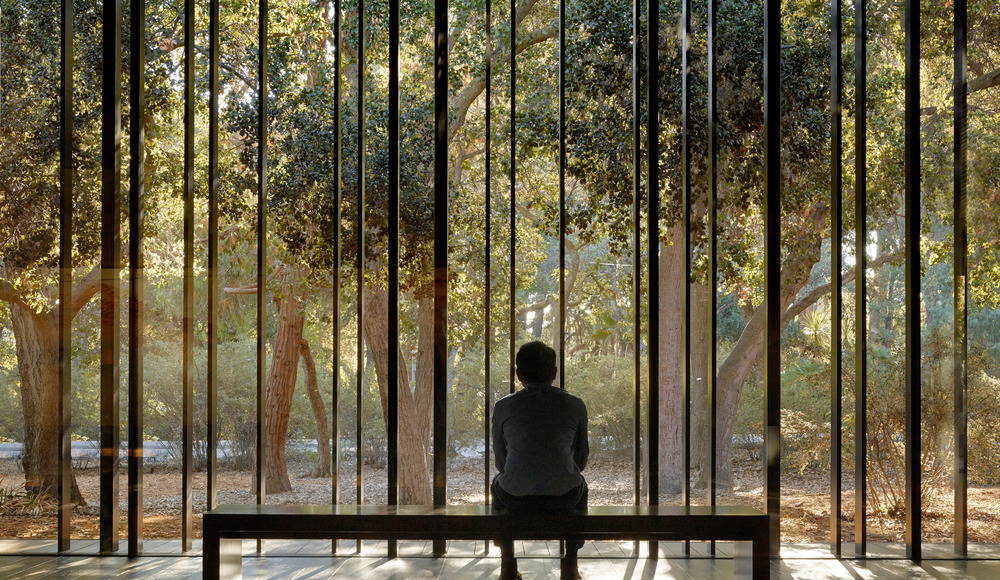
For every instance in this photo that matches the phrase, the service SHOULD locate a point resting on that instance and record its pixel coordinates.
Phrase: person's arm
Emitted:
(499, 444)
(581, 447)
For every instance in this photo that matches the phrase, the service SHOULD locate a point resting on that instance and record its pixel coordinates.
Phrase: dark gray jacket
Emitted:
(540, 441)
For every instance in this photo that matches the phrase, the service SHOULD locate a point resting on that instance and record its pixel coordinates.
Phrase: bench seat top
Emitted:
(479, 511)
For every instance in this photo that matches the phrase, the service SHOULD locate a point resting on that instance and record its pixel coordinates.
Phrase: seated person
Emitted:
(540, 445)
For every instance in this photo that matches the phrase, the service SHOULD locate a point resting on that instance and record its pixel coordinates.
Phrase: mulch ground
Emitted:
(804, 508)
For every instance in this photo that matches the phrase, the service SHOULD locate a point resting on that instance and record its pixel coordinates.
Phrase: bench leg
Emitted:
(761, 559)
(439, 548)
(209, 555)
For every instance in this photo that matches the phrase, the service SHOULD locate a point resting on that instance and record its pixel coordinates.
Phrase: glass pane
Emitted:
(29, 211)
(237, 254)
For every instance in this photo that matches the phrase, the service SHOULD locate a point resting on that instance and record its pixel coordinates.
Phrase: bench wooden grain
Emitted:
(226, 526)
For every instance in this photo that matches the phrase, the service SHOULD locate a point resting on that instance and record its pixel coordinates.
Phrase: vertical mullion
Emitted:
(211, 389)
(713, 262)
(211, 395)
(261, 245)
(137, 137)
(187, 356)
(392, 421)
(653, 250)
(488, 281)
(911, 274)
(836, 307)
(860, 281)
(636, 267)
(961, 282)
(337, 198)
(562, 193)
(513, 188)
(686, 202)
(110, 265)
(440, 442)
(359, 265)
(65, 463)
(772, 210)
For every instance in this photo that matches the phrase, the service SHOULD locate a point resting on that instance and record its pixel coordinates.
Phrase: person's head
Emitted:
(536, 363)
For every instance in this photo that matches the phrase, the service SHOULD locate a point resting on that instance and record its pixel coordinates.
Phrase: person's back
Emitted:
(540, 438)
(540, 446)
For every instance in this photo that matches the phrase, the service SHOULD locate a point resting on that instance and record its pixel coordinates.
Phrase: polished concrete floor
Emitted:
(599, 560)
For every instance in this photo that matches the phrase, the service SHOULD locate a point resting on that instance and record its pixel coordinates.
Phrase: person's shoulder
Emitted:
(506, 399)
(575, 400)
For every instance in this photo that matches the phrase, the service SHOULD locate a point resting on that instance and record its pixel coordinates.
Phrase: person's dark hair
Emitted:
(536, 362)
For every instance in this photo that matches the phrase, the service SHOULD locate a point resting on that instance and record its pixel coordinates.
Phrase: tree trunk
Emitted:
(278, 393)
(319, 411)
(414, 400)
(701, 342)
(37, 340)
(732, 374)
(423, 391)
(671, 358)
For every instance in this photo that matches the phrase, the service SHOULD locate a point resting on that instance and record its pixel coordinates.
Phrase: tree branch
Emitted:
(463, 100)
(818, 292)
(84, 290)
(984, 81)
(9, 294)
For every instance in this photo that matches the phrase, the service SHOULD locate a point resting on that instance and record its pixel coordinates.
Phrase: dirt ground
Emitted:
(805, 501)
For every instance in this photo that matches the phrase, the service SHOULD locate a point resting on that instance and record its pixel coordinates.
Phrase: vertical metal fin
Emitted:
(137, 138)
(65, 463)
(911, 275)
(860, 284)
(772, 210)
(653, 250)
(211, 396)
(111, 128)
(359, 266)
(392, 421)
(512, 318)
(259, 480)
(836, 283)
(440, 259)
(713, 258)
(961, 280)
(187, 349)
(686, 221)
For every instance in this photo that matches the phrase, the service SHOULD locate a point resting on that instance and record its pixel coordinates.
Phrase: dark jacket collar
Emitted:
(541, 385)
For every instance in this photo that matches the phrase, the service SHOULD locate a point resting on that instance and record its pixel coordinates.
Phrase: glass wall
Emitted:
(983, 359)
(307, 325)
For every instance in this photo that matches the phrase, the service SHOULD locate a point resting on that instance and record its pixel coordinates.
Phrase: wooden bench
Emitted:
(226, 527)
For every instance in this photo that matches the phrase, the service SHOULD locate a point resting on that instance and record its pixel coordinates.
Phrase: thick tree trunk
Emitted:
(414, 400)
(733, 372)
(423, 391)
(278, 393)
(37, 339)
(671, 358)
(701, 342)
(319, 411)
